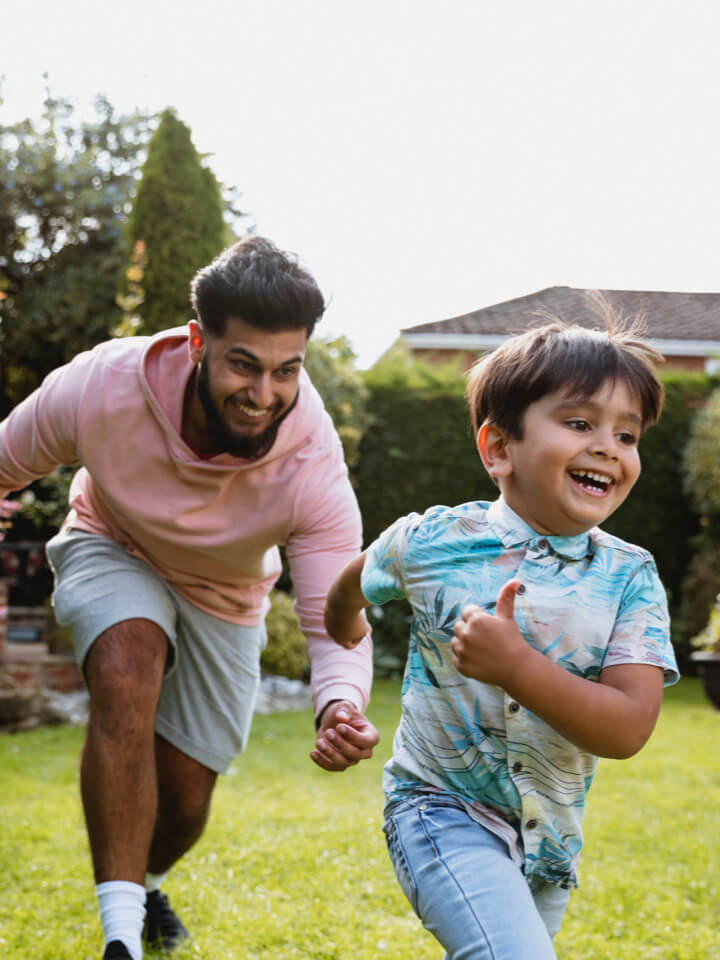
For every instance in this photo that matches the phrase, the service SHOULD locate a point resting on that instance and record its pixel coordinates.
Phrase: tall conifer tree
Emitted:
(178, 216)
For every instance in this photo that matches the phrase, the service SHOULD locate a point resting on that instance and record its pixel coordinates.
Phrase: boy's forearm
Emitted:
(595, 716)
(344, 617)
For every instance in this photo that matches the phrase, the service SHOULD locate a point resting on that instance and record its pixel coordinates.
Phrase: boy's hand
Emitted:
(488, 647)
(345, 737)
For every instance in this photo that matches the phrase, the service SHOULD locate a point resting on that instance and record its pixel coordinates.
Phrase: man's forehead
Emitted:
(268, 347)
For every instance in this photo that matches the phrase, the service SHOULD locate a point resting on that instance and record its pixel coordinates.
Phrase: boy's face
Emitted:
(576, 463)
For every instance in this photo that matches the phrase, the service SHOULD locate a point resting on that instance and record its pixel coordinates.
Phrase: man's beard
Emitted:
(226, 440)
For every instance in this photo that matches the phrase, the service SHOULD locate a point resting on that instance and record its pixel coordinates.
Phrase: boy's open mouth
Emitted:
(596, 483)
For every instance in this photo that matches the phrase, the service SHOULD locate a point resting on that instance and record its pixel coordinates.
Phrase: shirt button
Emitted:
(531, 824)
(516, 767)
(514, 707)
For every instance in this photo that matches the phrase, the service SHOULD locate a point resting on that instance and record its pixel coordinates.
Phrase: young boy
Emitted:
(538, 642)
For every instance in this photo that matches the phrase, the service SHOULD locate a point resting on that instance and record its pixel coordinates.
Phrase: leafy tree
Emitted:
(65, 191)
(178, 216)
(331, 365)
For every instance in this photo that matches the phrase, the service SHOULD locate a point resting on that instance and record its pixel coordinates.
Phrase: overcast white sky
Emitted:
(424, 157)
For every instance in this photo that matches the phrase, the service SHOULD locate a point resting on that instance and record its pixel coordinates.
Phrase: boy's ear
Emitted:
(492, 444)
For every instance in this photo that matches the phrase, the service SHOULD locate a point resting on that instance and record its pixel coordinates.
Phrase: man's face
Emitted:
(247, 382)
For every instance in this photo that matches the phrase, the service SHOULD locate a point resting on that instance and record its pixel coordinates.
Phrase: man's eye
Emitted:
(242, 365)
(285, 373)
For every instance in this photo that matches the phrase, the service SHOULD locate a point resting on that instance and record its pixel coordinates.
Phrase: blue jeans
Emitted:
(462, 883)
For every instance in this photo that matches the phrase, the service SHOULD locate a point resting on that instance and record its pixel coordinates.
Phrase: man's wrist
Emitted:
(351, 707)
(318, 718)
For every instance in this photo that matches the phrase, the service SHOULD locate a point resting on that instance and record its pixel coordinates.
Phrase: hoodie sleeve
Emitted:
(327, 534)
(40, 433)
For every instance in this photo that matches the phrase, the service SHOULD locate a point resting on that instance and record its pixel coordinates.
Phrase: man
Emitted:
(202, 450)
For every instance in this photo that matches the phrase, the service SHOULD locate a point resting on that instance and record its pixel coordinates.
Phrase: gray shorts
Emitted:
(213, 670)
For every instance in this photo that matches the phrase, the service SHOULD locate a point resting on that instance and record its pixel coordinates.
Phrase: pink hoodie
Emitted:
(211, 528)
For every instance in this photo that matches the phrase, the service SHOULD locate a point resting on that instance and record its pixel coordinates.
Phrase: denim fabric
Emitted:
(460, 880)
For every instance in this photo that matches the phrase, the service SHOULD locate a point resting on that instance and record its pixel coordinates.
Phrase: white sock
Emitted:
(122, 913)
(153, 881)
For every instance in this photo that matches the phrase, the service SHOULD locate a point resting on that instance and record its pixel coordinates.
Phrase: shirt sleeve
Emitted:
(641, 633)
(382, 576)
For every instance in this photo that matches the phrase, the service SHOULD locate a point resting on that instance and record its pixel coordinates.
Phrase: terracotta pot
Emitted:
(708, 667)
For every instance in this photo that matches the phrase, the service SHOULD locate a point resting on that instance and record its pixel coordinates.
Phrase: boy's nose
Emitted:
(605, 447)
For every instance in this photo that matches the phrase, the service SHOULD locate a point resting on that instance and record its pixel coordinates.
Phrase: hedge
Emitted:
(420, 451)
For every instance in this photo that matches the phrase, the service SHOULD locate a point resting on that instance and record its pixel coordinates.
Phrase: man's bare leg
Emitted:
(184, 791)
(118, 779)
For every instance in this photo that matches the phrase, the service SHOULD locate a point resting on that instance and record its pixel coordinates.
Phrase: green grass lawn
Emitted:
(293, 863)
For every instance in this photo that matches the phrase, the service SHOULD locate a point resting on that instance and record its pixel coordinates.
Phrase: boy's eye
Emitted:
(578, 424)
(629, 439)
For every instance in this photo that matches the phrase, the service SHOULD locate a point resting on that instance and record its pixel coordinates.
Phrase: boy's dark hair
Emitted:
(256, 282)
(562, 356)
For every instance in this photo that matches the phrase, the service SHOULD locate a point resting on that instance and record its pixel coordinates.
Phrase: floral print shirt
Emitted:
(591, 601)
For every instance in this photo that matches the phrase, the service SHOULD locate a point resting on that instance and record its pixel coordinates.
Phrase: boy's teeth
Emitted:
(599, 477)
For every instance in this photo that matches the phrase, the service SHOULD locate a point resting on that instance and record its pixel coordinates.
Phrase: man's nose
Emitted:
(260, 391)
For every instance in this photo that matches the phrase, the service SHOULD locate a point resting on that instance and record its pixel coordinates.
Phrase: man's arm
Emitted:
(39, 434)
(612, 718)
(326, 534)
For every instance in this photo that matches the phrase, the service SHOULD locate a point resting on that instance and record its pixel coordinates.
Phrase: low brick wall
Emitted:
(40, 670)
(31, 666)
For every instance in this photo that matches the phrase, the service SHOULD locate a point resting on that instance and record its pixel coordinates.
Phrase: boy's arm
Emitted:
(344, 618)
(612, 718)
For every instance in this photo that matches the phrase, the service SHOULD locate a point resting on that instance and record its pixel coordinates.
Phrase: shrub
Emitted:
(420, 451)
(286, 653)
(701, 460)
(391, 631)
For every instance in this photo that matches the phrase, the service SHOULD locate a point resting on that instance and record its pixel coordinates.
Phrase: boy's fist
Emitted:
(485, 646)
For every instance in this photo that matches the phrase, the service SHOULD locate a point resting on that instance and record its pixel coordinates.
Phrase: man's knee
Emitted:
(125, 667)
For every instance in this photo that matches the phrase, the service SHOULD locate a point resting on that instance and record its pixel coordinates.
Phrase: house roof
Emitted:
(689, 321)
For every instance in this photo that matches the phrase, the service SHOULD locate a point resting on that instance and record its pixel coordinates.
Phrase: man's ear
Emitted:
(196, 341)
(492, 444)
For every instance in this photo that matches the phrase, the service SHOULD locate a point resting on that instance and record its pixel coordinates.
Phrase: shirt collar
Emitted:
(512, 531)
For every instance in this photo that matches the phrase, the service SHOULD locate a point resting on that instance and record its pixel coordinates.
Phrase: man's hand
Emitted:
(345, 737)
(488, 647)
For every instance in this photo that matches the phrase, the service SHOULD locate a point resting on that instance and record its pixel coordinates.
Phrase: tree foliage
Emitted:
(702, 458)
(331, 365)
(420, 451)
(178, 217)
(65, 190)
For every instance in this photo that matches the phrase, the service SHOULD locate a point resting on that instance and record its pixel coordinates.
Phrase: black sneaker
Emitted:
(116, 950)
(163, 927)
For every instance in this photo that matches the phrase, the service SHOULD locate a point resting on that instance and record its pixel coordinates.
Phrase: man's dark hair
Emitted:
(256, 282)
